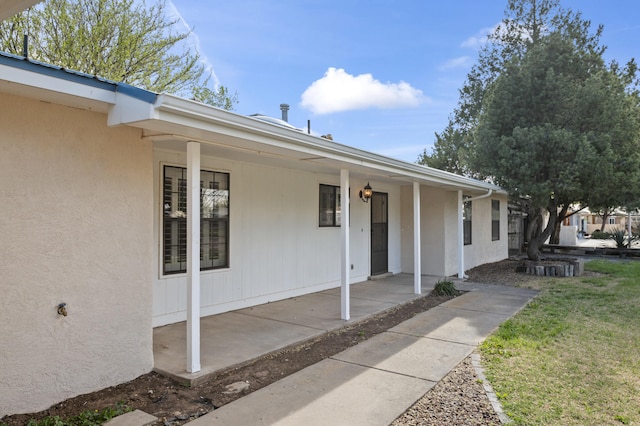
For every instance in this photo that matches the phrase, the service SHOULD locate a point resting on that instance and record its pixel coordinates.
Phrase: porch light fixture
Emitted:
(366, 193)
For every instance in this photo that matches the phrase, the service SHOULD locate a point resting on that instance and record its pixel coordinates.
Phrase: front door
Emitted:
(379, 234)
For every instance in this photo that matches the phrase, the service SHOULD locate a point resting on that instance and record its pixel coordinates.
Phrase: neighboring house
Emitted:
(96, 207)
(587, 222)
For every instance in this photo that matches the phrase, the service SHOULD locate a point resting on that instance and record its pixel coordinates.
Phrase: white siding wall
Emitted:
(75, 223)
(439, 233)
(277, 249)
(482, 249)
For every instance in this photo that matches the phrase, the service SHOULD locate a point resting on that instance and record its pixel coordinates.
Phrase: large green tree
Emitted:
(525, 24)
(121, 40)
(558, 126)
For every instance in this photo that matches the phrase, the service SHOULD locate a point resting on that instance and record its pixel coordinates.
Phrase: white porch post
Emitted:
(417, 258)
(345, 268)
(193, 257)
(460, 236)
(629, 229)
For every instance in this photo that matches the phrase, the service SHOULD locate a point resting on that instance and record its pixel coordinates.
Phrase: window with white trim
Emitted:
(495, 220)
(214, 220)
(466, 222)
(329, 206)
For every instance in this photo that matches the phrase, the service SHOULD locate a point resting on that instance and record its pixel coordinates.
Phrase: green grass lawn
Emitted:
(572, 357)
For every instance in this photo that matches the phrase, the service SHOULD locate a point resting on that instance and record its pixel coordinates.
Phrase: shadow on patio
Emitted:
(237, 337)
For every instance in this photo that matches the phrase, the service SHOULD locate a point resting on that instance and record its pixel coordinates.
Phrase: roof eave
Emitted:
(179, 110)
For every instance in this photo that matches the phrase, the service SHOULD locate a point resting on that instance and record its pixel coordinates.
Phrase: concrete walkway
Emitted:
(377, 380)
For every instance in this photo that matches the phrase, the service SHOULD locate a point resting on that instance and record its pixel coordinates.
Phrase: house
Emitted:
(108, 191)
(587, 222)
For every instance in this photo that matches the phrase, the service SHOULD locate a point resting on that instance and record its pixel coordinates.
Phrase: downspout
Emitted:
(461, 201)
(488, 194)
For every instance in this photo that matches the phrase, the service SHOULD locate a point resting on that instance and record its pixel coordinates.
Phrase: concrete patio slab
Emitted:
(395, 289)
(317, 310)
(408, 355)
(328, 393)
(234, 338)
(227, 340)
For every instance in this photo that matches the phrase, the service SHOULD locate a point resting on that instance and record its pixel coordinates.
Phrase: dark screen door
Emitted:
(379, 234)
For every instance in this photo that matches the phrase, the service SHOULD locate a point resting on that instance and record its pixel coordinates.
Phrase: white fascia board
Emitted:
(49, 87)
(197, 115)
(129, 110)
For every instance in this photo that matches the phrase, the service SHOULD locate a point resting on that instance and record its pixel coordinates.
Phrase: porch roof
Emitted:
(171, 121)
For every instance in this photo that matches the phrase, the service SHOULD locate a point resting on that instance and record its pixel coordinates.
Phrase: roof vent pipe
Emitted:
(285, 112)
(25, 38)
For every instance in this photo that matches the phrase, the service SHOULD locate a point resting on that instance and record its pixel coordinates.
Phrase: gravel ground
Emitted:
(458, 399)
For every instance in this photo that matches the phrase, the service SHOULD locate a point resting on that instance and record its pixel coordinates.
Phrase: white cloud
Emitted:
(193, 41)
(461, 62)
(477, 40)
(339, 91)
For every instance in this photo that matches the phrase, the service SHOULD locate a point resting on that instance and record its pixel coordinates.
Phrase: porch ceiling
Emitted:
(246, 152)
(249, 152)
(174, 121)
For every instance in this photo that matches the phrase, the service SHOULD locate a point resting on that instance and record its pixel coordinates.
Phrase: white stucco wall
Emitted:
(439, 232)
(277, 249)
(76, 226)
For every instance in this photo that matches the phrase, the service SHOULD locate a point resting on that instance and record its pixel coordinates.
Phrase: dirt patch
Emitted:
(175, 404)
(503, 273)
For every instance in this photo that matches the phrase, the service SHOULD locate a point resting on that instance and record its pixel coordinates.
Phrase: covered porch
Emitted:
(237, 337)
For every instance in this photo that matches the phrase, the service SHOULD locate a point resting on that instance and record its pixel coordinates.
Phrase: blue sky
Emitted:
(379, 75)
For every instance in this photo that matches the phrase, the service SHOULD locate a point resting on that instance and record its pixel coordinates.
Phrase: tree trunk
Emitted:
(605, 216)
(534, 227)
(533, 249)
(536, 241)
(555, 236)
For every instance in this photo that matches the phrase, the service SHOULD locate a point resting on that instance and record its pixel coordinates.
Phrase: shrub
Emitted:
(619, 236)
(445, 288)
(600, 235)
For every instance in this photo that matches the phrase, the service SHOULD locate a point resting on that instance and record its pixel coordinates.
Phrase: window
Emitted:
(214, 220)
(495, 220)
(466, 221)
(612, 220)
(329, 206)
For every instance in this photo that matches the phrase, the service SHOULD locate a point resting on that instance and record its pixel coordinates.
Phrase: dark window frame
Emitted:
(214, 220)
(495, 220)
(329, 206)
(467, 222)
